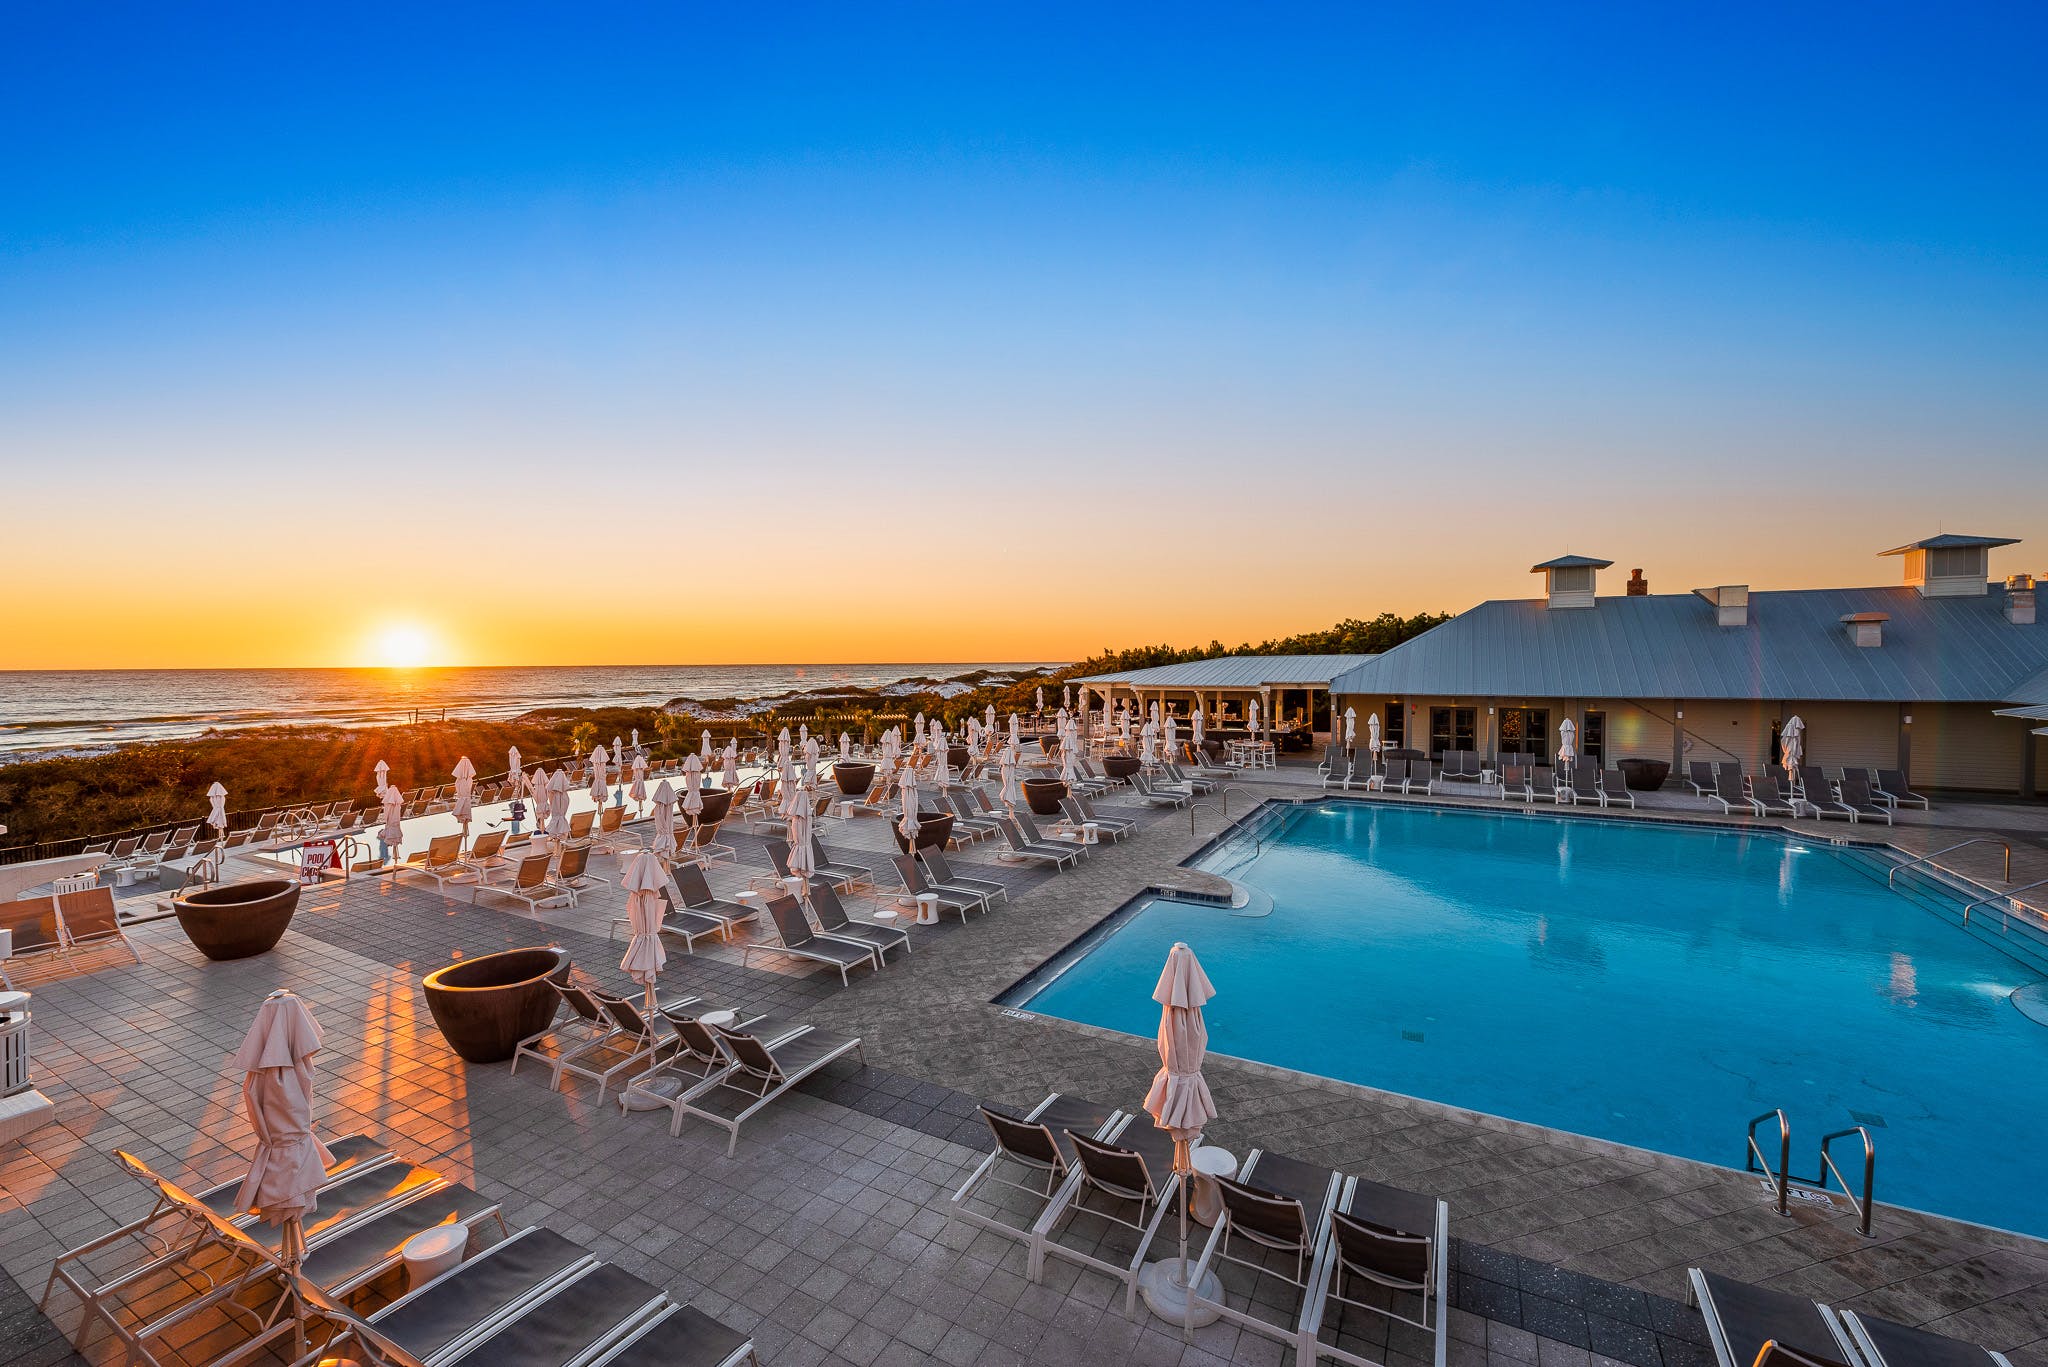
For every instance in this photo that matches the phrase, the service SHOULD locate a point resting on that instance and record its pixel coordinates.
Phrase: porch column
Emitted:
(1677, 738)
(1906, 748)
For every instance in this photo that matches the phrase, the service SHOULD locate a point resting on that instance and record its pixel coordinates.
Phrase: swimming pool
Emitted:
(1656, 985)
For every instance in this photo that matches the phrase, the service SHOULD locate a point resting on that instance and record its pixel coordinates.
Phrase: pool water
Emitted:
(1657, 985)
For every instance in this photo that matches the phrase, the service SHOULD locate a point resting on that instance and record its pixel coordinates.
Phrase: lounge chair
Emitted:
(1614, 788)
(1769, 799)
(1394, 1243)
(572, 869)
(1514, 784)
(485, 854)
(1857, 797)
(1460, 764)
(848, 876)
(1104, 830)
(440, 861)
(1728, 792)
(760, 1073)
(1033, 836)
(833, 921)
(695, 894)
(1750, 1326)
(700, 843)
(579, 828)
(89, 918)
(1891, 787)
(38, 935)
(941, 871)
(1086, 807)
(692, 926)
(968, 821)
(1335, 768)
(1030, 1169)
(1275, 1205)
(639, 1042)
(1059, 856)
(1819, 797)
(915, 884)
(1700, 774)
(1194, 783)
(1733, 766)
(697, 1056)
(1581, 784)
(586, 1027)
(1418, 779)
(799, 942)
(1158, 795)
(533, 882)
(1125, 1181)
(1881, 1343)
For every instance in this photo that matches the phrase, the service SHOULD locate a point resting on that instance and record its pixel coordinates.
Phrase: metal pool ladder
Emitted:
(1756, 1160)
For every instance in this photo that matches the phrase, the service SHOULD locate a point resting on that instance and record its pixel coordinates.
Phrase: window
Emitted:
(1525, 730)
(1453, 728)
(1956, 562)
(1572, 579)
(1593, 739)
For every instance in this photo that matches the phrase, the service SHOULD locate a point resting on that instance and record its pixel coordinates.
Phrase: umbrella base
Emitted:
(1166, 1295)
(646, 1096)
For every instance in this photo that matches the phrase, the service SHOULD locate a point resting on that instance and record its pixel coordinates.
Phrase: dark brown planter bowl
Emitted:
(1644, 775)
(1120, 766)
(1043, 795)
(958, 756)
(853, 777)
(933, 828)
(486, 1005)
(238, 920)
(717, 802)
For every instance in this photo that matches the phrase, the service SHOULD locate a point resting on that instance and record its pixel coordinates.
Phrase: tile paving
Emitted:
(826, 1235)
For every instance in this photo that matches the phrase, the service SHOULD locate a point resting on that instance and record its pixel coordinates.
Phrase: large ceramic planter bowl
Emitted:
(486, 1005)
(1645, 775)
(717, 803)
(1120, 766)
(1043, 795)
(958, 757)
(238, 920)
(853, 776)
(933, 829)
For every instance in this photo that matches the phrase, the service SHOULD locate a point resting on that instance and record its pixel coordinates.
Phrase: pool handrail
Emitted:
(2009, 895)
(1892, 877)
(1757, 1161)
(1865, 1206)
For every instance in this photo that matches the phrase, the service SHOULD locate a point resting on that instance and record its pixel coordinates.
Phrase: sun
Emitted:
(403, 645)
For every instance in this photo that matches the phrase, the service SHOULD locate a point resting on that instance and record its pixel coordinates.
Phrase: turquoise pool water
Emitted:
(1653, 985)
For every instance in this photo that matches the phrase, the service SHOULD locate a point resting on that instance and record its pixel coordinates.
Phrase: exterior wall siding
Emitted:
(1961, 746)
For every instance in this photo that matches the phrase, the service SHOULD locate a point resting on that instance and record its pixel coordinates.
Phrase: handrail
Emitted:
(1827, 1165)
(1756, 1160)
(1891, 878)
(2010, 894)
(1223, 796)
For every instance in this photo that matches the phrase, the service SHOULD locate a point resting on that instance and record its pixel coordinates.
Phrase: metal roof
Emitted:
(1670, 646)
(1949, 541)
(1571, 562)
(1237, 671)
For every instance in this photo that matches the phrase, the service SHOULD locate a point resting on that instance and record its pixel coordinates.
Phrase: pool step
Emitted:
(2017, 935)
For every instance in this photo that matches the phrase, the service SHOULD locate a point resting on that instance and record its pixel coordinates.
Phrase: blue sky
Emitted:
(1558, 271)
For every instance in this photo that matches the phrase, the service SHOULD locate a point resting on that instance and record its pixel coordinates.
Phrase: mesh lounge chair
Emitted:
(695, 894)
(1769, 799)
(1125, 1182)
(941, 870)
(1856, 796)
(1394, 1243)
(1033, 836)
(1030, 1169)
(1418, 779)
(1699, 774)
(1286, 1213)
(799, 942)
(1088, 813)
(1819, 796)
(848, 876)
(89, 918)
(1514, 784)
(1395, 778)
(586, 1027)
(692, 926)
(1335, 768)
(572, 870)
(533, 882)
(1891, 788)
(760, 1073)
(1364, 772)
(1614, 788)
(833, 921)
(700, 844)
(1749, 1326)
(1104, 830)
(38, 935)
(485, 854)
(698, 1056)
(437, 1320)
(912, 875)
(1060, 856)
(1728, 792)
(440, 861)
(1194, 783)
(1159, 795)
(1881, 1343)
(638, 1042)
(1580, 784)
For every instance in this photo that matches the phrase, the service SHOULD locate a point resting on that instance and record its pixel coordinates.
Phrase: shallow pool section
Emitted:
(1653, 984)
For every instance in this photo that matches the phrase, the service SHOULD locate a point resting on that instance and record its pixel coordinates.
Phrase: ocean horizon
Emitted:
(62, 711)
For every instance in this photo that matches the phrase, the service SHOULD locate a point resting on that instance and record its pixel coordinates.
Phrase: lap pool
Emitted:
(1656, 985)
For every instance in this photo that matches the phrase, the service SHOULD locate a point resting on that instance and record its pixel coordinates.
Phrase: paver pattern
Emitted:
(826, 1236)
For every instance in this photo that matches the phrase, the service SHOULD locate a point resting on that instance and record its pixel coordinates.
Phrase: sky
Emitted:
(699, 334)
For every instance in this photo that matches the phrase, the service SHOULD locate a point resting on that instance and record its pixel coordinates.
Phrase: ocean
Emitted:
(53, 711)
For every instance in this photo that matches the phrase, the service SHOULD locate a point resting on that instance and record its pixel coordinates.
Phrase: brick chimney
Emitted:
(1638, 587)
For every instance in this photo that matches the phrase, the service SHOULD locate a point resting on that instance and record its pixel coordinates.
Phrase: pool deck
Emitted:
(826, 1236)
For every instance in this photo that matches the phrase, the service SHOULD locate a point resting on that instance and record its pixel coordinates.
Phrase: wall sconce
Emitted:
(1908, 719)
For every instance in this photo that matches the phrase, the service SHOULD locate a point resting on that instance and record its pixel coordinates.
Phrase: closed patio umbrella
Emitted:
(1123, 724)
(1198, 728)
(283, 1185)
(1567, 747)
(908, 825)
(1372, 733)
(800, 861)
(803, 732)
(465, 790)
(1149, 744)
(1016, 732)
(382, 770)
(942, 771)
(537, 789)
(693, 781)
(704, 747)
(664, 843)
(392, 833)
(639, 790)
(810, 759)
(988, 717)
(1070, 763)
(1791, 745)
(644, 880)
(618, 753)
(1038, 699)
(1012, 793)
(1350, 727)
(1252, 717)
(732, 764)
(1172, 733)
(598, 790)
(1066, 698)
(558, 803)
(512, 771)
(782, 748)
(217, 809)
(1179, 1103)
